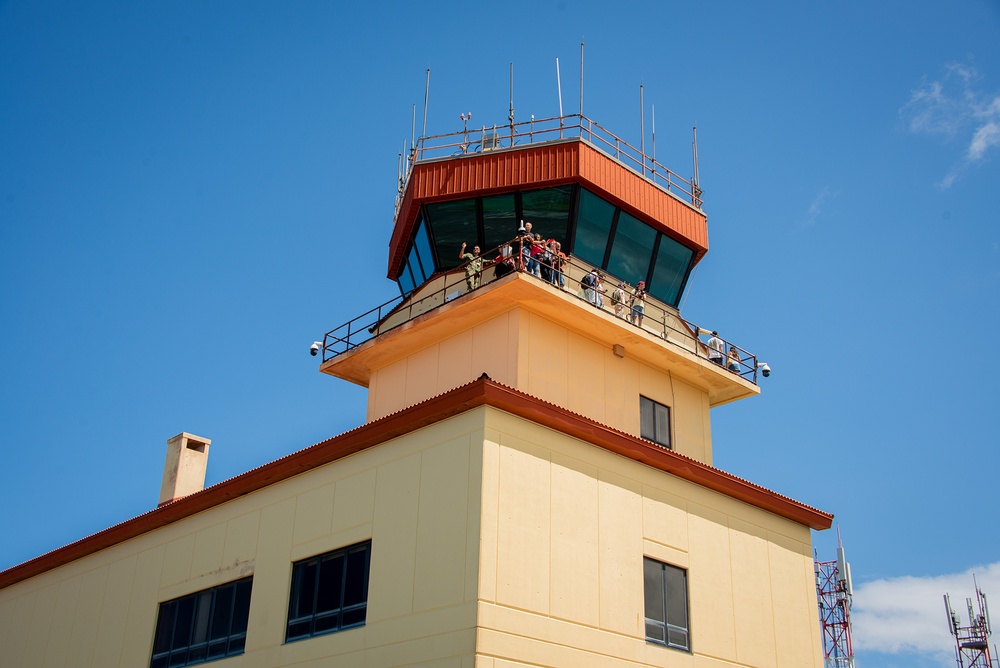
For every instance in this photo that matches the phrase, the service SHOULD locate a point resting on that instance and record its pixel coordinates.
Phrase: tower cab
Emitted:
(612, 212)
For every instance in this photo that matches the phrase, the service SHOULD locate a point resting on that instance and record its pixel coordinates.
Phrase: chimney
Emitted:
(184, 470)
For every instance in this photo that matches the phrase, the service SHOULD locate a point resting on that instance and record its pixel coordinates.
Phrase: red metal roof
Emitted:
(540, 166)
(481, 392)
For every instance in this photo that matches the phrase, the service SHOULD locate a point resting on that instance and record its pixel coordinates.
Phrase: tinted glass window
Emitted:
(453, 223)
(593, 227)
(675, 583)
(656, 614)
(654, 421)
(500, 221)
(415, 267)
(329, 593)
(208, 625)
(422, 242)
(666, 603)
(631, 249)
(405, 280)
(670, 270)
(548, 211)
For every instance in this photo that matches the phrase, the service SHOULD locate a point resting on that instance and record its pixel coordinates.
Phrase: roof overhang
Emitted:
(481, 392)
(671, 347)
(539, 166)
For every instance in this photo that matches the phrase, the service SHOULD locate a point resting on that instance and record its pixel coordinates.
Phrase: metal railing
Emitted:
(525, 133)
(658, 319)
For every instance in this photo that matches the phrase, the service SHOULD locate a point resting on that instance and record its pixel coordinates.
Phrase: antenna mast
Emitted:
(642, 130)
(972, 644)
(652, 113)
(427, 92)
(695, 186)
(834, 592)
(510, 116)
(559, 90)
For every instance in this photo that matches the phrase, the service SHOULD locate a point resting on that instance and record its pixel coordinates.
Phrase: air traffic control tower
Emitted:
(532, 485)
(601, 532)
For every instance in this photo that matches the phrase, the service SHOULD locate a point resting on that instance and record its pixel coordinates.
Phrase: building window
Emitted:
(631, 249)
(209, 625)
(329, 592)
(671, 268)
(666, 604)
(654, 421)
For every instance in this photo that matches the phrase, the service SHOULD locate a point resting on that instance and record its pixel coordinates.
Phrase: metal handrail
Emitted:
(659, 319)
(557, 128)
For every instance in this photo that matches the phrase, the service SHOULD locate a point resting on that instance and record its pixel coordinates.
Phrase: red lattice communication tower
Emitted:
(972, 642)
(834, 591)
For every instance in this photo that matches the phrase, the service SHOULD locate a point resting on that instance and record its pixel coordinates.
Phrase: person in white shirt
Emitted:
(716, 349)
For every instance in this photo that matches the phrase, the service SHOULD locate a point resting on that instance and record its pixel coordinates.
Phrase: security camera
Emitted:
(765, 370)
(314, 348)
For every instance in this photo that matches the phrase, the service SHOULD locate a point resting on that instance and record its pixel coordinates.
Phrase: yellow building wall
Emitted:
(495, 542)
(416, 498)
(545, 359)
(565, 528)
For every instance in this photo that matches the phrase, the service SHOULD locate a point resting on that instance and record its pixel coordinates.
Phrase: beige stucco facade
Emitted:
(552, 345)
(495, 541)
(536, 354)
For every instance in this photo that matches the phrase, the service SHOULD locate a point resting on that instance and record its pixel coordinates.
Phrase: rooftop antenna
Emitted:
(695, 187)
(581, 80)
(652, 109)
(427, 92)
(834, 593)
(465, 130)
(413, 129)
(399, 170)
(559, 88)
(510, 116)
(972, 645)
(642, 129)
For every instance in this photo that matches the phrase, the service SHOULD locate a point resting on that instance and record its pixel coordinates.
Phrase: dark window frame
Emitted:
(216, 621)
(306, 591)
(649, 429)
(667, 613)
(653, 287)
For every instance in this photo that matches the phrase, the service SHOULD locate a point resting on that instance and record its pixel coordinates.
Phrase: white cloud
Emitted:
(954, 108)
(907, 615)
(816, 207)
(984, 139)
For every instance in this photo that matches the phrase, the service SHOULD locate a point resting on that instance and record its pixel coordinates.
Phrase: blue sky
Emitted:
(192, 192)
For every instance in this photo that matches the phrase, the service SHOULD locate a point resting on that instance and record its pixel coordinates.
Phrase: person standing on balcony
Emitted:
(639, 304)
(546, 259)
(716, 349)
(618, 299)
(733, 360)
(589, 285)
(525, 240)
(599, 291)
(534, 250)
(504, 264)
(558, 277)
(473, 266)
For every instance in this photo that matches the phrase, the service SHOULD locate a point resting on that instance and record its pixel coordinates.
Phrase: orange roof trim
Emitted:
(542, 166)
(481, 392)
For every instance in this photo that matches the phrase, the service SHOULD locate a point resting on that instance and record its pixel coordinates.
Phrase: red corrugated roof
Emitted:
(481, 392)
(541, 166)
